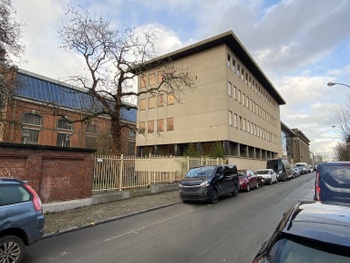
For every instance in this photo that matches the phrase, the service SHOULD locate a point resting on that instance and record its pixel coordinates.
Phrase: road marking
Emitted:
(145, 227)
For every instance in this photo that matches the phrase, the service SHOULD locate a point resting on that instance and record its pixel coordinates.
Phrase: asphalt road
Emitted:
(230, 231)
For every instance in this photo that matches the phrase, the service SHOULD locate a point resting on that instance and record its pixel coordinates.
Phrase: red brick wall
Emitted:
(56, 173)
(48, 129)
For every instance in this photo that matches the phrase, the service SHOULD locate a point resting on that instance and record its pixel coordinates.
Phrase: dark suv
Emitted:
(207, 183)
(332, 182)
(309, 232)
(21, 219)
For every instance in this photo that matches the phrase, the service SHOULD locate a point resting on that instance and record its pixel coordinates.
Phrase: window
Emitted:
(238, 70)
(160, 100)
(142, 104)
(248, 126)
(150, 126)
(30, 136)
(131, 148)
(171, 99)
(242, 75)
(63, 139)
(12, 194)
(151, 102)
(90, 142)
(243, 99)
(91, 127)
(228, 61)
(246, 78)
(233, 65)
(235, 92)
(64, 124)
(143, 81)
(229, 89)
(131, 135)
(170, 124)
(160, 125)
(239, 96)
(30, 118)
(152, 79)
(235, 120)
(230, 118)
(247, 101)
(160, 76)
(142, 126)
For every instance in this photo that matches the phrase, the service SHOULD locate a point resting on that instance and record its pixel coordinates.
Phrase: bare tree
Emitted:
(10, 45)
(113, 61)
(342, 119)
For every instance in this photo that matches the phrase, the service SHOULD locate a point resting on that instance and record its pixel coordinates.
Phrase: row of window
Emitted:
(160, 125)
(248, 126)
(250, 81)
(36, 120)
(155, 78)
(238, 95)
(157, 101)
(31, 128)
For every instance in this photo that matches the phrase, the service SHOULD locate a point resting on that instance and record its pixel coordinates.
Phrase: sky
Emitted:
(301, 45)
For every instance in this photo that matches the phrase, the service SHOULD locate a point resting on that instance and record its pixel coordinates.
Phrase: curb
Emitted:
(99, 222)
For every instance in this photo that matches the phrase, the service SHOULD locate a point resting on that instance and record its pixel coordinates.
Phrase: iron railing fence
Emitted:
(117, 173)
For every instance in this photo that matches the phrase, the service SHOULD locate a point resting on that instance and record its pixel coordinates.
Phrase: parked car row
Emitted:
(316, 231)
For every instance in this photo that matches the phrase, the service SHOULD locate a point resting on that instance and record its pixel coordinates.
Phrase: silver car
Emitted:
(268, 175)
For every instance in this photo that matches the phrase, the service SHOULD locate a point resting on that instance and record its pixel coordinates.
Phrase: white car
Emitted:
(268, 175)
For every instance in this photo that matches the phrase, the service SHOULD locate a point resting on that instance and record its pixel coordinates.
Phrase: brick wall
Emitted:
(56, 173)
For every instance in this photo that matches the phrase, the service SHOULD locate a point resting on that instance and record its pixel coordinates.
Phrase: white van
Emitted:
(303, 167)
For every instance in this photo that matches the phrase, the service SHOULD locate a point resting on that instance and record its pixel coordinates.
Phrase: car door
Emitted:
(220, 180)
(253, 179)
(230, 178)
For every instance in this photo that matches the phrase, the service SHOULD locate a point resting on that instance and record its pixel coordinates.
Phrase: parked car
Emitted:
(303, 167)
(309, 232)
(247, 180)
(207, 183)
(282, 168)
(332, 182)
(268, 175)
(296, 171)
(24, 220)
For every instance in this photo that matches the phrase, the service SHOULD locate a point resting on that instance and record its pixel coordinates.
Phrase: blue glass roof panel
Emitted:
(34, 88)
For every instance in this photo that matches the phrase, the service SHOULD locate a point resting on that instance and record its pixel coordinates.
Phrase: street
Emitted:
(230, 231)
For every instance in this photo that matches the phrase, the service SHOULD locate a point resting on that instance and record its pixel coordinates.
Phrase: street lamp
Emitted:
(330, 84)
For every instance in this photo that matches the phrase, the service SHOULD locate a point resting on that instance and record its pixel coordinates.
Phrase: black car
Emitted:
(22, 220)
(309, 232)
(332, 182)
(207, 183)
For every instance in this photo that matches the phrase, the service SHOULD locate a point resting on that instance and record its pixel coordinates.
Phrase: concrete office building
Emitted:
(234, 104)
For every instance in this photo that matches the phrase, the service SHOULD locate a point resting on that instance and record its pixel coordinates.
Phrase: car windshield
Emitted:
(262, 172)
(241, 173)
(204, 171)
(337, 176)
(293, 250)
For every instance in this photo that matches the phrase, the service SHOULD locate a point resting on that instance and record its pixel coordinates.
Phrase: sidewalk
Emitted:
(58, 223)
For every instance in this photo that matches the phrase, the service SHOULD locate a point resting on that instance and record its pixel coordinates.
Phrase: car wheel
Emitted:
(248, 188)
(11, 249)
(214, 197)
(271, 182)
(235, 191)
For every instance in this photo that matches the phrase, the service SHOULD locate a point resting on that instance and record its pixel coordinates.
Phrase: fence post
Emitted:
(121, 173)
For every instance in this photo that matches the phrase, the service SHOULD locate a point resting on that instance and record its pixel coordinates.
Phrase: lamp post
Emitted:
(330, 84)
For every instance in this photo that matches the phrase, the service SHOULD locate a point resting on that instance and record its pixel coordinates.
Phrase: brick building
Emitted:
(29, 117)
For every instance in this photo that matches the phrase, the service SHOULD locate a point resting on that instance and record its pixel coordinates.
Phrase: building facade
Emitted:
(28, 118)
(234, 104)
(301, 150)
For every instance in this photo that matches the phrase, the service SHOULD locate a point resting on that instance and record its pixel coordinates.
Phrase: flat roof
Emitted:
(230, 39)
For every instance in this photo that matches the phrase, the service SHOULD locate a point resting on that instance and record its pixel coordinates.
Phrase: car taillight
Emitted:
(317, 187)
(36, 199)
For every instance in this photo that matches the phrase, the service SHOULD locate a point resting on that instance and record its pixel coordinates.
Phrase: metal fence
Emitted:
(117, 173)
